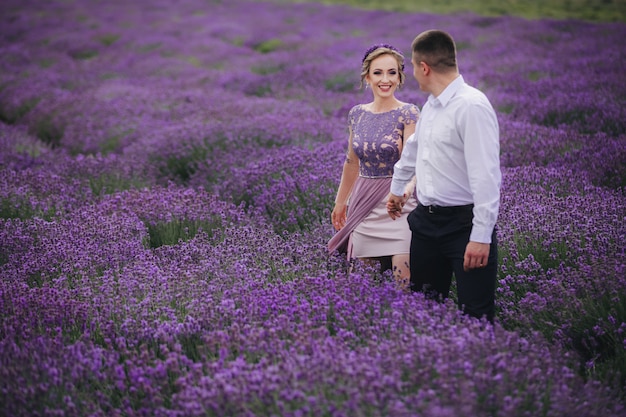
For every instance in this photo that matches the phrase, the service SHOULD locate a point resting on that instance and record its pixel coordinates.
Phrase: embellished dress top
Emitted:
(377, 140)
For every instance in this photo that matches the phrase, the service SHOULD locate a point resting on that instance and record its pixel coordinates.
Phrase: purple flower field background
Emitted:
(167, 174)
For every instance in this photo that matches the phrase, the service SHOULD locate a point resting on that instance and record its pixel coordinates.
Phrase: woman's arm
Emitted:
(349, 175)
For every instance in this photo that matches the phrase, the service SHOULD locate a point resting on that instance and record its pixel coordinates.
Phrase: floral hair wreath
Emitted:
(382, 45)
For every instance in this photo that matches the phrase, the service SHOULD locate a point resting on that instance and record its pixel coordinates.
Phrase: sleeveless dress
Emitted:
(369, 231)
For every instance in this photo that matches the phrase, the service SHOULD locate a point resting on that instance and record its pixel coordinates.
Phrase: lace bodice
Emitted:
(377, 137)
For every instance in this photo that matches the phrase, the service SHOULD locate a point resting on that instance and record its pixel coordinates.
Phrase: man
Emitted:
(454, 155)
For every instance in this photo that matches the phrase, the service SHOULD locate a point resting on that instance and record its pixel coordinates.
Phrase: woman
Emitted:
(378, 130)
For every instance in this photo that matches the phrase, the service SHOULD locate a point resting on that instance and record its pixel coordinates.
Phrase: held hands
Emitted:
(394, 205)
(339, 216)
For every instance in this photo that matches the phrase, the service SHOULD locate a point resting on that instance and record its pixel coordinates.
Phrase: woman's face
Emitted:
(383, 76)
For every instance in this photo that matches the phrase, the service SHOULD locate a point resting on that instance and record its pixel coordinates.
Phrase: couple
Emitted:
(423, 189)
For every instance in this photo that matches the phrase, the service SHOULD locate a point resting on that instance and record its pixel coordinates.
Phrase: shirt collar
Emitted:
(448, 93)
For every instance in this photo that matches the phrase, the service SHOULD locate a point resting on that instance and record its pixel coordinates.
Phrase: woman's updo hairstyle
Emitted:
(377, 50)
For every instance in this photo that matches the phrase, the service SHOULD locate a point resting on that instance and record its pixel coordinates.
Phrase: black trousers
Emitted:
(438, 241)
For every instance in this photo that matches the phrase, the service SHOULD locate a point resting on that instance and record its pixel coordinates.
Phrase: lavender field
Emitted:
(168, 169)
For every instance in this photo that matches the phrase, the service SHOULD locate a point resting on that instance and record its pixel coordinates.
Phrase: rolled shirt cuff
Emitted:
(397, 187)
(481, 234)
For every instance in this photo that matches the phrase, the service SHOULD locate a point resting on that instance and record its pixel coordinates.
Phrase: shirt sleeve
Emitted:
(482, 150)
(404, 169)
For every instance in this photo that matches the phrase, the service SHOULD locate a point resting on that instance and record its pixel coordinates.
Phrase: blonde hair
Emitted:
(379, 51)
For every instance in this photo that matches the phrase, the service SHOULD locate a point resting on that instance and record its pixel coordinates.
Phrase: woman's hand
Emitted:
(339, 216)
(394, 206)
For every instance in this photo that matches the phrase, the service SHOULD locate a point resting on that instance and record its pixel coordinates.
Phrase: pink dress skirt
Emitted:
(369, 231)
(379, 235)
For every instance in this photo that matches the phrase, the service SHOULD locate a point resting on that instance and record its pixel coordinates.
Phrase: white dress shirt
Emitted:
(455, 155)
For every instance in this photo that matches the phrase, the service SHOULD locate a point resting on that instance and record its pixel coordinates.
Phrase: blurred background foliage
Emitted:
(590, 10)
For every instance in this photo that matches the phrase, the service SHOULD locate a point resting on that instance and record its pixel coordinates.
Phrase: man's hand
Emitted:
(394, 206)
(476, 255)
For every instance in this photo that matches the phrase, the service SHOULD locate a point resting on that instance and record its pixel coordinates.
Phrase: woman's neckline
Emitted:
(366, 109)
